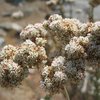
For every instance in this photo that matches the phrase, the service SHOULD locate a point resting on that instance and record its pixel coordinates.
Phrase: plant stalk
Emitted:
(66, 95)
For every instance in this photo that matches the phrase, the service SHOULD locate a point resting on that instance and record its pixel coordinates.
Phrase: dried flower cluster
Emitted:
(11, 74)
(7, 52)
(30, 55)
(54, 77)
(80, 45)
(16, 61)
(35, 33)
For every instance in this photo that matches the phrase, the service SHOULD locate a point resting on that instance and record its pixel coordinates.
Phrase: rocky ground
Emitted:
(20, 16)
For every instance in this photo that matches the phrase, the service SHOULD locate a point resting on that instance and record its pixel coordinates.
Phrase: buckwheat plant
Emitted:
(79, 49)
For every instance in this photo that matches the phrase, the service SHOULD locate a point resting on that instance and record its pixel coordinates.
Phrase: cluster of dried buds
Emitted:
(16, 61)
(79, 45)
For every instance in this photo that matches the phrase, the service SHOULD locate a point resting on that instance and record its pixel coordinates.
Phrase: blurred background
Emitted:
(16, 14)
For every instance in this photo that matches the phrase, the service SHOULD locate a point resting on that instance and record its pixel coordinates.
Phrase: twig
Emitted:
(66, 95)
